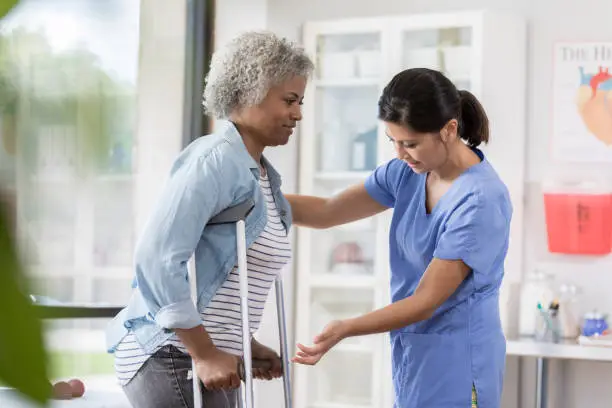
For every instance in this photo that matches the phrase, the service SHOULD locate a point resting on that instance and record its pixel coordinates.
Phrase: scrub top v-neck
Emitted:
(437, 361)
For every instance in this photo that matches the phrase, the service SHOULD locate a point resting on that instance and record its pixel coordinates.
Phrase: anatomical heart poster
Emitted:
(582, 102)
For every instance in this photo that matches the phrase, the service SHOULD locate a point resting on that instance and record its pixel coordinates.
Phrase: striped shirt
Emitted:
(269, 253)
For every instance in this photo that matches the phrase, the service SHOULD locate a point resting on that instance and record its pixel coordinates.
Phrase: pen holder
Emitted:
(548, 328)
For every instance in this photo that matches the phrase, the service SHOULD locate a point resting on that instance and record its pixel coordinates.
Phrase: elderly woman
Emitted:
(256, 84)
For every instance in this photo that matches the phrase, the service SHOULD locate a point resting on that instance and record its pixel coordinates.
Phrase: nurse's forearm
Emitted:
(352, 204)
(395, 316)
(308, 211)
(439, 282)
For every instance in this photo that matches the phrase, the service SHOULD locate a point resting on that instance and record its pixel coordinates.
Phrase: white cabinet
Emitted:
(343, 272)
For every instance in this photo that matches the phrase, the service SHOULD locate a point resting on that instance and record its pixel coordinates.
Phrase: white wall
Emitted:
(160, 102)
(235, 16)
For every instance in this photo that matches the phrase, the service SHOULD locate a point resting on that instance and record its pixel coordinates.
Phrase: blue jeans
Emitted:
(164, 381)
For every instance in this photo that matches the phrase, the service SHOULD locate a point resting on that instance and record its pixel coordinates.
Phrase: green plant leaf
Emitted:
(23, 360)
(6, 6)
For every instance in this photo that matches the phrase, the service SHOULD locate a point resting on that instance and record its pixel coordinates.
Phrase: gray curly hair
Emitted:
(242, 72)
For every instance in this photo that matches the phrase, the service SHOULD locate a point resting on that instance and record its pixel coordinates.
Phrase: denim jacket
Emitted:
(211, 174)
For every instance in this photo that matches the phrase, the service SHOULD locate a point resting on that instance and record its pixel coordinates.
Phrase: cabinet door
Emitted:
(345, 93)
(340, 143)
(446, 49)
(337, 266)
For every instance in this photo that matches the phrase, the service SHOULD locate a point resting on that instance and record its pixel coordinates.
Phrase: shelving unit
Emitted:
(343, 271)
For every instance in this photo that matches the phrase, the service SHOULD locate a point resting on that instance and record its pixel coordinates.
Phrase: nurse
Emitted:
(448, 241)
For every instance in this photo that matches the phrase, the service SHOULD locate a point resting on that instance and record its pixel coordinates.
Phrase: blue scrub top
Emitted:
(436, 361)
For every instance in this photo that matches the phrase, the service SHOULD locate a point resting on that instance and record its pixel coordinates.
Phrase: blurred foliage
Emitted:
(23, 361)
(67, 89)
(21, 331)
(42, 88)
(6, 6)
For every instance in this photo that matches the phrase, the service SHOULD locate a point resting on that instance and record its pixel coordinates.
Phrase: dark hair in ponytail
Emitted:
(425, 100)
(474, 123)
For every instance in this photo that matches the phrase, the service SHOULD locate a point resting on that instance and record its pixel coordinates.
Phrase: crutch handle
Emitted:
(257, 363)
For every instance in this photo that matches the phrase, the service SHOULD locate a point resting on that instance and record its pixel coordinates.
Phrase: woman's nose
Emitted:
(296, 113)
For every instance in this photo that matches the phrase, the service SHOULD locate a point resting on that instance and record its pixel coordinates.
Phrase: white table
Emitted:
(542, 352)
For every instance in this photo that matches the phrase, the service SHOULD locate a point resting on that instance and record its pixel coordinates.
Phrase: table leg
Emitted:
(520, 382)
(541, 382)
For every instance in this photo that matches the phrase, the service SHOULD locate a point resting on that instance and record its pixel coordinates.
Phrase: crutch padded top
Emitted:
(233, 214)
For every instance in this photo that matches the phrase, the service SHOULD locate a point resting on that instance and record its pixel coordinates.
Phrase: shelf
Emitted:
(346, 82)
(342, 176)
(363, 226)
(342, 281)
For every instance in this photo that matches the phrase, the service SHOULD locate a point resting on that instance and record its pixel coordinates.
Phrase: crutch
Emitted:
(237, 215)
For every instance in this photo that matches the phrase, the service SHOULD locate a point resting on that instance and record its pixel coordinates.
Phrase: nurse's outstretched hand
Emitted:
(331, 335)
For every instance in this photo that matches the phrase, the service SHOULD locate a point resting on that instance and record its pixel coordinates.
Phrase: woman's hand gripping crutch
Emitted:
(237, 215)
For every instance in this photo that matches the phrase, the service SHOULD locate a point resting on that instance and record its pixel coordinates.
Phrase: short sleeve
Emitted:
(477, 232)
(383, 182)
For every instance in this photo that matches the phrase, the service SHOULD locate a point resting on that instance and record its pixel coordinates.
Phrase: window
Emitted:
(83, 114)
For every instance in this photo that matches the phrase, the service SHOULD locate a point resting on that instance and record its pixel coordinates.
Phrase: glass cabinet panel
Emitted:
(348, 56)
(346, 96)
(445, 49)
(346, 128)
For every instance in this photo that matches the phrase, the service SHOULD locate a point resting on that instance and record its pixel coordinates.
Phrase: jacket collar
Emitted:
(230, 133)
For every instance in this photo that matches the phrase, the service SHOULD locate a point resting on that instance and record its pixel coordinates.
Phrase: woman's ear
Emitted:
(449, 131)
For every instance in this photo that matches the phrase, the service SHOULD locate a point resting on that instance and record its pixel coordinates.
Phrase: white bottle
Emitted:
(537, 288)
(568, 311)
